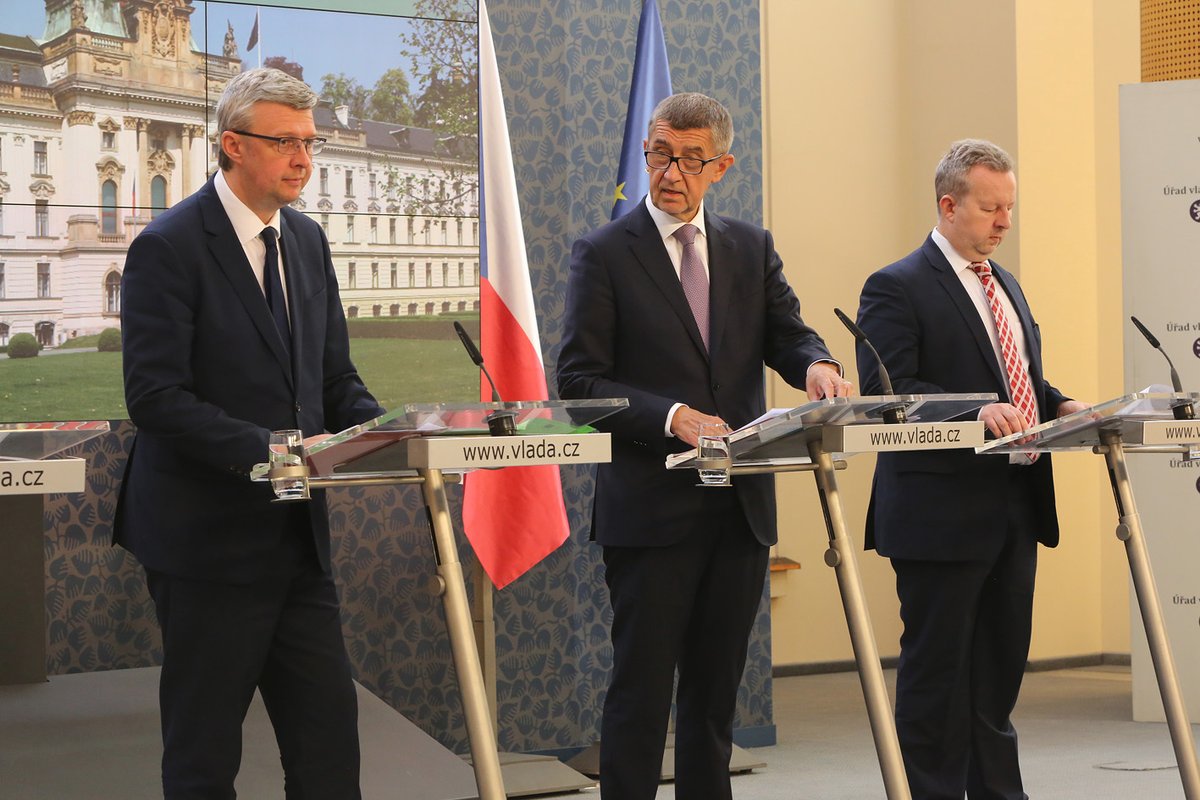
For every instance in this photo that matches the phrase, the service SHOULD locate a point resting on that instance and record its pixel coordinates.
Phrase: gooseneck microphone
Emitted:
(500, 423)
(1182, 410)
(893, 415)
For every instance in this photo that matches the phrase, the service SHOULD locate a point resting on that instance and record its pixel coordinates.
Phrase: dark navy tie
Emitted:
(273, 288)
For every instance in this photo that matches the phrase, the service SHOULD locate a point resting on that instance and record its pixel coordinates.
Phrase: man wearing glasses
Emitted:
(233, 328)
(678, 309)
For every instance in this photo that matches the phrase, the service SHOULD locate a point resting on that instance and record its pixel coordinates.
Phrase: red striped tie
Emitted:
(1020, 390)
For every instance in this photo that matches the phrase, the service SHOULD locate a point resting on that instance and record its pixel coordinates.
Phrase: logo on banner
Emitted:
(1198, 484)
(1196, 348)
(1195, 211)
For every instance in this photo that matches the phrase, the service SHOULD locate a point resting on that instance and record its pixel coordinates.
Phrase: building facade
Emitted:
(109, 118)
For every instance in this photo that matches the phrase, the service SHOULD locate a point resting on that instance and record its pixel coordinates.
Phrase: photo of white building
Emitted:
(109, 117)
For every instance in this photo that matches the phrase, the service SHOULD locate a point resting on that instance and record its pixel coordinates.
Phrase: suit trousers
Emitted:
(967, 627)
(282, 635)
(689, 606)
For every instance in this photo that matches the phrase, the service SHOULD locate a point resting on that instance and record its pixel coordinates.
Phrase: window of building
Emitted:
(41, 165)
(1, 216)
(3, 334)
(462, 274)
(429, 309)
(475, 233)
(350, 229)
(108, 208)
(43, 279)
(412, 275)
(158, 195)
(462, 306)
(1, 155)
(112, 293)
(428, 226)
(352, 312)
(41, 218)
(410, 230)
(349, 183)
(445, 235)
(324, 180)
(44, 331)
(374, 230)
(376, 310)
(375, 277)
(394, 310)
(350, 278)
(395, 277)
(392, 230)
(458, 239)
(428, 274)
(1, 280)
(372, 180)
(446, 307)
(445, 274)
(325, 224)
(108, 140)
(475, 274)
(412, 309)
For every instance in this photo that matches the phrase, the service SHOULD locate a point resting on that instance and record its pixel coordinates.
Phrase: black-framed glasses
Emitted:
(688, 165)
(289, 145)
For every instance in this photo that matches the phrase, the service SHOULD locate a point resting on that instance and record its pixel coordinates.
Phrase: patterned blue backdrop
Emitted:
(565, 67)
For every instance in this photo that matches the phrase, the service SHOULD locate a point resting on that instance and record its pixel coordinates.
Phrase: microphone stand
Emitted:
(893, 414)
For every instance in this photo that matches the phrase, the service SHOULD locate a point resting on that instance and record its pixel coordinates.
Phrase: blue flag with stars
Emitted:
(651, 83)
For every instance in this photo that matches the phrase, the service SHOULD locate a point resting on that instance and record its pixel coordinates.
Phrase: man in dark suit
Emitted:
(217, 355)
(961, 529)
(684, 565)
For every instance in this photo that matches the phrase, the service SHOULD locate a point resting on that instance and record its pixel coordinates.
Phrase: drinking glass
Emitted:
(287, 450)
(713, 447)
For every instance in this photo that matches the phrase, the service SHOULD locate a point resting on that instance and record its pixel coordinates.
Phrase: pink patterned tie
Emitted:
(1020, 390)
(693, 278)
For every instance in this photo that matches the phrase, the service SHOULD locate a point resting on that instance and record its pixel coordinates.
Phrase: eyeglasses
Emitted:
(289, 145)
(688, 165)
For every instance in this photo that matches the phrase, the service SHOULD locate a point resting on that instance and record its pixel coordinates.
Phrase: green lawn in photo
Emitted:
(78, 386)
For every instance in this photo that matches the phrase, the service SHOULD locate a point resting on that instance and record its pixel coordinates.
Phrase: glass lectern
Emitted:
(1144, 422)
(806, 438)
(430, 445)
(29, 469)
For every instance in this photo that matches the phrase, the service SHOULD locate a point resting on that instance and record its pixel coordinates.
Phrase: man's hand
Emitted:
(824, 380)
(1002, 419)
(685, 425)
(1071, 406)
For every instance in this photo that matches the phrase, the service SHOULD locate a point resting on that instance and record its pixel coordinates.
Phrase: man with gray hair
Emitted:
(233, 328)
(961, 530)
(685, 565)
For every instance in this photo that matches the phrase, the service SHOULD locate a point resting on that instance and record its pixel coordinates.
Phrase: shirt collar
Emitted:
(246, 223)
(957, 262)
(667, 224)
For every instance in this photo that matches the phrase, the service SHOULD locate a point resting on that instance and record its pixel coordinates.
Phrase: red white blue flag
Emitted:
(513, 517)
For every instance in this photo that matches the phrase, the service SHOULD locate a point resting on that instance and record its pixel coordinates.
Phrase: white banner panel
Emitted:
(1160, 207)
(42, 477)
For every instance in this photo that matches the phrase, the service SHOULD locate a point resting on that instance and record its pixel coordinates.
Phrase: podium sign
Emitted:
(420, 444)
(30, 469)
(1135, 423)
(805, 438)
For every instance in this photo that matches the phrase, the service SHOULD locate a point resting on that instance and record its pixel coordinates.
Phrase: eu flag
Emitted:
(651, 84)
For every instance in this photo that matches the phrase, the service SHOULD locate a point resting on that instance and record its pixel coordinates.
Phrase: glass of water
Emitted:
(287, 450)
(712, 451)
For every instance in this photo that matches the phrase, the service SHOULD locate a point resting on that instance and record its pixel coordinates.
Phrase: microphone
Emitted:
(1182, 410)
(500, 423)
(893, 415)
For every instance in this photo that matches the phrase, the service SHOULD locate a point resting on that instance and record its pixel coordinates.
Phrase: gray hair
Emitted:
(951, 175)
(262, 85)
(691, 111)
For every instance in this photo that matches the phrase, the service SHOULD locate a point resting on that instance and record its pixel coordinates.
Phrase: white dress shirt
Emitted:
(248, 228)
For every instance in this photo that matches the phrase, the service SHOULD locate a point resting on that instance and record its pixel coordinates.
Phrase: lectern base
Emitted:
(588, 762)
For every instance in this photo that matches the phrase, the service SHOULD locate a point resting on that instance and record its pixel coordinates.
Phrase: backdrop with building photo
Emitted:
(107, 118)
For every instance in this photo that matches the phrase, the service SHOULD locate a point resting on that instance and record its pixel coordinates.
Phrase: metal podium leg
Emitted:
(1129, 530)
(842, 558)
(480, 733)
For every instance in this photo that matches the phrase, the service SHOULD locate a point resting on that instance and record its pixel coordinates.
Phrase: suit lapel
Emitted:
(295, 272)
(650, 252)
(227, 252)
(722, 261)
(951, 284)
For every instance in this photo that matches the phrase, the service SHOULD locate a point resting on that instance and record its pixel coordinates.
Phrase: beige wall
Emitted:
(861, 99)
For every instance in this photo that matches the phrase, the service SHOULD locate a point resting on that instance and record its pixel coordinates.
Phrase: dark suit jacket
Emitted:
(629, 332)
(946, 504)
(206, 381)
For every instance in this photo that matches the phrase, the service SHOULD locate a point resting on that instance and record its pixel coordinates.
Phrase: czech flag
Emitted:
(513, 517)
